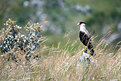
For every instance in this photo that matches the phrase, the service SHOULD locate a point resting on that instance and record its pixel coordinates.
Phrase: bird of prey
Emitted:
(85, 38)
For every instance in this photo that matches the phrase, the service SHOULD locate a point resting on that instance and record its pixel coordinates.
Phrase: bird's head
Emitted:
(82, 24)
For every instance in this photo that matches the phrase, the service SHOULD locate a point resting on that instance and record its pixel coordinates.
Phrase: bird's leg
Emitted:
(85, 49)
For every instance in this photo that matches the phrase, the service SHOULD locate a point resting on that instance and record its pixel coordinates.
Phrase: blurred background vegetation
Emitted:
(60, 51)
(101, 17)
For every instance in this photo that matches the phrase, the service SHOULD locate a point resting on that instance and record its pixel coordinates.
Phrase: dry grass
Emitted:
(60, 65)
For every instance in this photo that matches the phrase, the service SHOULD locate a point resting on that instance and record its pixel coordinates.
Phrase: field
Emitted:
(61, 64)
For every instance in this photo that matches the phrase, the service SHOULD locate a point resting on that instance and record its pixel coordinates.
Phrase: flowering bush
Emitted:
(13, 42)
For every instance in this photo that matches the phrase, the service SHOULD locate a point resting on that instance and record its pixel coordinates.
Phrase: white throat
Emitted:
(83, 29)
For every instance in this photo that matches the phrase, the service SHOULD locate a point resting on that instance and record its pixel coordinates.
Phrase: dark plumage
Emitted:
(86, 41)
(85, 37)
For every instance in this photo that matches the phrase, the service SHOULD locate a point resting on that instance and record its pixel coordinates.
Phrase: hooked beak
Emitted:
(78, 24)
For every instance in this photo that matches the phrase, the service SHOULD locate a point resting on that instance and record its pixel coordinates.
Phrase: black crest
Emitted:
(81, 23)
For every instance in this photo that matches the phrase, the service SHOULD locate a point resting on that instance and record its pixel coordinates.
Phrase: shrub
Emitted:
(13, 42)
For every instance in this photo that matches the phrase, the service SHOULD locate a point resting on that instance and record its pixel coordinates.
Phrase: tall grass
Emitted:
(60, 65)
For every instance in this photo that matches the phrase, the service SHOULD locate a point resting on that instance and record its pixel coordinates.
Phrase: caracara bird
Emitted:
(85, 38)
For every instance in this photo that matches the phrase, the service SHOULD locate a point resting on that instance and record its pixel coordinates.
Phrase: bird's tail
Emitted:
(90, 47)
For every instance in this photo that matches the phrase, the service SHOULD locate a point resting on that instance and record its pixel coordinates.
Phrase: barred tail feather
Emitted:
(90, 47)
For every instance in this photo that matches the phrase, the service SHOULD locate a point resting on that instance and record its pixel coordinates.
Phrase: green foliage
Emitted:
(15, 9)
(102, 13)
(51, 4)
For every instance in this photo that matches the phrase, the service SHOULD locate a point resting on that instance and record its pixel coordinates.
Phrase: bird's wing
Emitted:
(86, 32)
